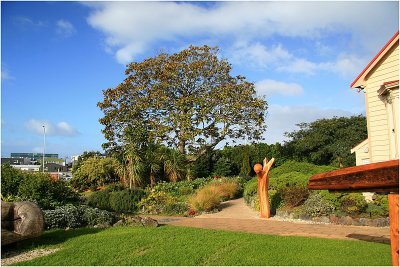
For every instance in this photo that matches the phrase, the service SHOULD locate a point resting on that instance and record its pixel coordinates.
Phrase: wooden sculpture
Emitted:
(262, 174)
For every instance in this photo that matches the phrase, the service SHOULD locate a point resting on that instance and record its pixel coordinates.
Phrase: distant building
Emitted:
(16, 161)
(29, 168)
(54, 167)
(33, 156)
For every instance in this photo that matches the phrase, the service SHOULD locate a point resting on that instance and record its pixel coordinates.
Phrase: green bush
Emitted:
(316, 205)
(113, 200)
(333, 198)
(76, 216)
(11, 179)
(100, 199)
(17, 185)
(294, 196)
(286, 180)
(125, 200)
(45, 192)
(181, 189)
(379, 207)
(302, 167)
(353, 203)
(161, 203)
(250, 190)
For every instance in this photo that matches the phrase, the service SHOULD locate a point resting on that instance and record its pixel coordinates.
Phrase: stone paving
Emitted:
(237, 216)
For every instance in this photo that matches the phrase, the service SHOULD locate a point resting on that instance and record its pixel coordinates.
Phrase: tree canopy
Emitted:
(327, 141)
(188, 100)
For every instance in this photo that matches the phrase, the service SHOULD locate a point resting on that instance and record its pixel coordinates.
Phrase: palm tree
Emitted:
(154, 159)
(174, 164)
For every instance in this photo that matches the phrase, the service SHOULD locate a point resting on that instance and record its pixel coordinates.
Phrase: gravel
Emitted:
(9, 258)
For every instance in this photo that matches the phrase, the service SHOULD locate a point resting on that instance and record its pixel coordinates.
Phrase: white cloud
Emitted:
(52, 129)
(133, 27)
(65, 28)
(272, 87)
(5, 74)
(281, 119)
(257, 54)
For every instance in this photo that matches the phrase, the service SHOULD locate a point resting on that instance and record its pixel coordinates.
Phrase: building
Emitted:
(33, 156)
(29, 168)
(380, 82)
(16, 161)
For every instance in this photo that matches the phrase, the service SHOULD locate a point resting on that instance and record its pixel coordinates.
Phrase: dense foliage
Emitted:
(188, 99)
(327, 141)
(95, 171)
(37, 187)
(288, 191)
(77, 216)
(116, 199)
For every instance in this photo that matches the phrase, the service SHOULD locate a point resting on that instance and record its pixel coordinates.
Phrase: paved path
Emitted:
(236, 216)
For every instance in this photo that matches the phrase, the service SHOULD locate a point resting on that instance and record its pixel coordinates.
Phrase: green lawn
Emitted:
(169, 245)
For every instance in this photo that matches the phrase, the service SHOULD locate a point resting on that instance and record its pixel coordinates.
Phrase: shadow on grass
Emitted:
(48, 238)
(370, 238)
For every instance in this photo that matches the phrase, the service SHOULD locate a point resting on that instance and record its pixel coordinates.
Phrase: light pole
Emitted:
(44, 145)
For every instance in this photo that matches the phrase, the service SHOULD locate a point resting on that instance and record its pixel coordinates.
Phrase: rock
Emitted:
(347, 220)
(324, 219)
(364, 221)
(333, 219)
(102, 225)
(119, 223)
(356, 222)
(134, 221)
(20, 220)
(149, 222)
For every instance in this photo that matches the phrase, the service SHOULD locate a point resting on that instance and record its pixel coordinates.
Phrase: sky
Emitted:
(57, 57)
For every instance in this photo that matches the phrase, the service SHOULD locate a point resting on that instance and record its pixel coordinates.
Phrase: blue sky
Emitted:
(57, 57)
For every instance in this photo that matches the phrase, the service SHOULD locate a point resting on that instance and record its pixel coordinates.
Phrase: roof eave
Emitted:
(361, 77)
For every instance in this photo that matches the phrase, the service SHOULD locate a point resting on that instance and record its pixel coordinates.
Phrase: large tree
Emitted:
(327, 141)
(188, 100)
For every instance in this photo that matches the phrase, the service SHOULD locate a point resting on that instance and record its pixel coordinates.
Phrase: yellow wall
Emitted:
(377, 111)
(362, 153)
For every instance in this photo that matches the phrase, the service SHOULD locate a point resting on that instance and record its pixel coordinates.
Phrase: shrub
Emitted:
(275, 200)
(226, 188)
(100, 199)
(206, 199)
(291, 179)
(45, 192)
(379, 207)
(295, 196)
(11, 179)
(162, 203)
(210, 196)
(333, 198)
(301, 167)
(250, 190)
(125, 200)
(76, 216)
(113, 200)
(353, 203)
(181, 189)
(316, 205)
(95, 216)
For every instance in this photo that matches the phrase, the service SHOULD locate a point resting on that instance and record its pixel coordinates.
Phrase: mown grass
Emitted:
(170, 245)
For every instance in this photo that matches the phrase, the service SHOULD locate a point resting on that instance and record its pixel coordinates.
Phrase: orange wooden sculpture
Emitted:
(262, 174)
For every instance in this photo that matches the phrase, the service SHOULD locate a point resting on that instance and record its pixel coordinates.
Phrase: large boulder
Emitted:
(19, 221)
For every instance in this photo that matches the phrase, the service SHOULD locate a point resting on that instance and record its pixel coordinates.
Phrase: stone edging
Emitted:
(333, 219)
